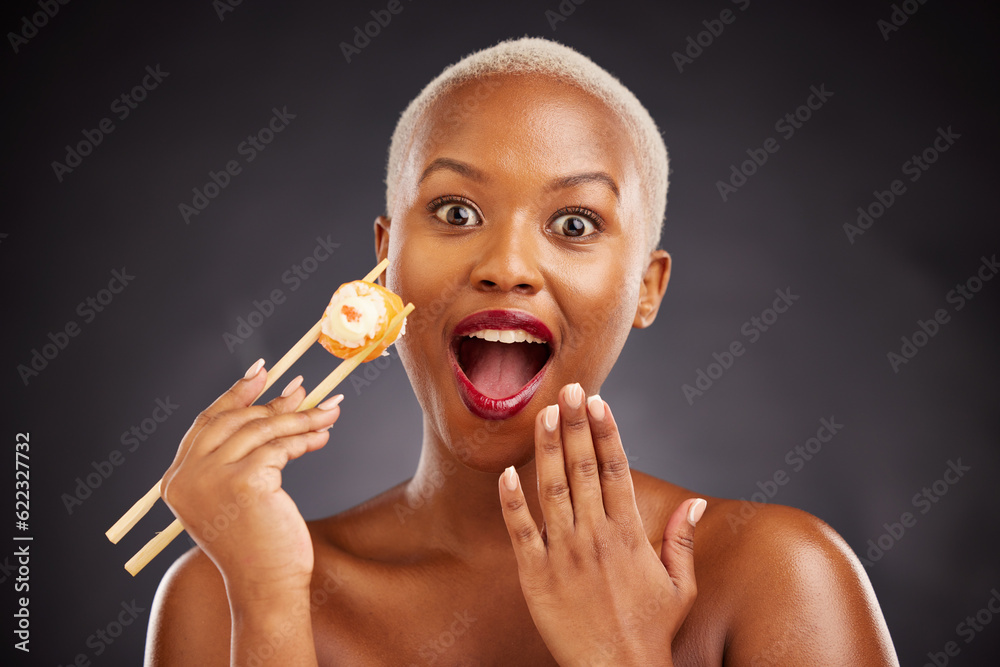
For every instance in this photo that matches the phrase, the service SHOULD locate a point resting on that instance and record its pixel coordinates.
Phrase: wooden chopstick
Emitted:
(134, 513)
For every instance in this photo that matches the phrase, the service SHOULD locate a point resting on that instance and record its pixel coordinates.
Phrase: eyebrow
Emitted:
(461, 168)
(588, 177)
(467, 170)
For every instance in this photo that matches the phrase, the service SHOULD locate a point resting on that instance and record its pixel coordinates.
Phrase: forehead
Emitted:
(525, 125)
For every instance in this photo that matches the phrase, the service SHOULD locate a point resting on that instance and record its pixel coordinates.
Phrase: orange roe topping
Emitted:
(350, 313)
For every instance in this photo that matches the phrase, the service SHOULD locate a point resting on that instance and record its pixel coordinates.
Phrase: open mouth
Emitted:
(499, 358)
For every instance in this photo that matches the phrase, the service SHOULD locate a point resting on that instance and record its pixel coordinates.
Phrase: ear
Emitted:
(382, 224)
(654, 284)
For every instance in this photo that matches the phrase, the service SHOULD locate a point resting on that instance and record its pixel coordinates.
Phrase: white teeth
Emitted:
(505, 336)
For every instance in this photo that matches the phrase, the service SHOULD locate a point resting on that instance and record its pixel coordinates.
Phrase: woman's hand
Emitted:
(225, 486)
(596, 589)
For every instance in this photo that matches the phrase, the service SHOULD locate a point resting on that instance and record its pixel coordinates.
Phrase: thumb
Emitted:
(677, 551)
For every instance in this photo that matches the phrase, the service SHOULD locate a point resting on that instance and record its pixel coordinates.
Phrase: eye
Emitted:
(454, 211)
(576, 222)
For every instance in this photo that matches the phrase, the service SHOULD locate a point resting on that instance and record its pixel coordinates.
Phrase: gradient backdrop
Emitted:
(159, 341)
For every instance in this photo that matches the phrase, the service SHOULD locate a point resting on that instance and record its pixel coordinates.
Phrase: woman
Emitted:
(525, 195)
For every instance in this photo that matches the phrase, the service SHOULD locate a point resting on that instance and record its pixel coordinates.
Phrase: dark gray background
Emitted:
(322, 176)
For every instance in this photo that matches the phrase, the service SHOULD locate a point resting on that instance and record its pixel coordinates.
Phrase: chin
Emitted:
(487, 445)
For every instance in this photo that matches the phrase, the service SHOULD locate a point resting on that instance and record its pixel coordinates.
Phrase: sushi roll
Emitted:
(358, 314)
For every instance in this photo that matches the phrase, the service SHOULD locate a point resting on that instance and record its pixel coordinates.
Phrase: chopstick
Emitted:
(143, 505)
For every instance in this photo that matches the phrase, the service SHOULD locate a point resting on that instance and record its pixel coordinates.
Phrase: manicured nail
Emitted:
(292, 386)
(551, 417)
(331, 403)
(574, 395)
(253, 370)
(695, 511)
(595, 405)
(510, 478)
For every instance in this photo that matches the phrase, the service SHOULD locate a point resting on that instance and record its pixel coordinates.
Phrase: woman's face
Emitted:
(518, 211)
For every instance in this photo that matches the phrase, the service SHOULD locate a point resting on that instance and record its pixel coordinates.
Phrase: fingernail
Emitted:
(253, 370)
(331, 403)
(510, 478)
(292, 386)
(595, 405)
(695, 511)
(574, 396)
(551, 418)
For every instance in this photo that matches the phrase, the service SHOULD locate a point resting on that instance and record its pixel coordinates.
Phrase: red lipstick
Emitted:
(481, 405)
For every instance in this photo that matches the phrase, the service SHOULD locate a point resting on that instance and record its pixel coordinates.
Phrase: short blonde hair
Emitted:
(536, 55)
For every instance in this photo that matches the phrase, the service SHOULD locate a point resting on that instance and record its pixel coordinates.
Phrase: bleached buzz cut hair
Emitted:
(536, 55)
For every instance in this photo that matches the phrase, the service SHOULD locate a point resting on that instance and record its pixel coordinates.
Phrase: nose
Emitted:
(508, 259)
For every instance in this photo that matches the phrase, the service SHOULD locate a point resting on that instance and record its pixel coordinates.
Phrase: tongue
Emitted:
(499, 370)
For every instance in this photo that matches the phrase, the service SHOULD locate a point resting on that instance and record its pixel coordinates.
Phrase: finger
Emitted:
(219, 428)
(581, 461)
(612, 463)
(240, 395)
(677, 551)
(524, 536)
(266, 463)
(257, 432)
(550, 471)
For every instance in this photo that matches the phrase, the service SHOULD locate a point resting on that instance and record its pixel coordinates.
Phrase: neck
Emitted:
(456, 508)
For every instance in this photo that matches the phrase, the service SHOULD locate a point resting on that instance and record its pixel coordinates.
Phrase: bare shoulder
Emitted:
(807, 599)
(189, 622)
(790, 589)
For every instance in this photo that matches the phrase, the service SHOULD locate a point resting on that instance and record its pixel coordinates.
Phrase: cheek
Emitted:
(422, 276)
(599, 301)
